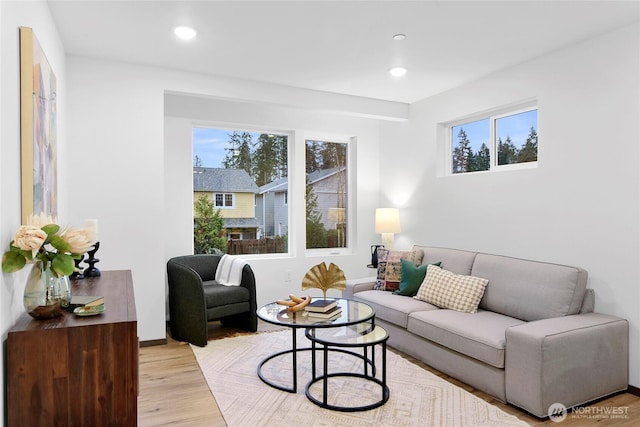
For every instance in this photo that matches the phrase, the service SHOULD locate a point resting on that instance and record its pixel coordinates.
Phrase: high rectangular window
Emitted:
(326, 194)
(494, 141)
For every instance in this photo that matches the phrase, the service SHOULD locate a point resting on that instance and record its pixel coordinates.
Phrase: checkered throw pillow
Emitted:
(445, 289)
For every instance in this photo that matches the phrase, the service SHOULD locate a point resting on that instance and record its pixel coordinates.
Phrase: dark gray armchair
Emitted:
(195, 298)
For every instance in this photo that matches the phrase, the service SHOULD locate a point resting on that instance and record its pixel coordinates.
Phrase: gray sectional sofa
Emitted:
(534, 341)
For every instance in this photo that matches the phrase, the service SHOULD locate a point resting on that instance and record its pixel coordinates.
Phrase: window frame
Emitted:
(350, 200)
(224, 200)
(260, 129)
(492, 116)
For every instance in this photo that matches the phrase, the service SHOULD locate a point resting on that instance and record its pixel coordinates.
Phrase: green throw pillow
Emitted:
(411, 278)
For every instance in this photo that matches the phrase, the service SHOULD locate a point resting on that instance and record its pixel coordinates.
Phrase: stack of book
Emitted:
(323, 309)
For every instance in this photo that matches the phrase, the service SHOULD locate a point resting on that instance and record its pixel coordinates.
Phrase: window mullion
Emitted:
(493, 149)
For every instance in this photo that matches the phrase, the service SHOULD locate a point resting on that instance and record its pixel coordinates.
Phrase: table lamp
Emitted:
(387, 223)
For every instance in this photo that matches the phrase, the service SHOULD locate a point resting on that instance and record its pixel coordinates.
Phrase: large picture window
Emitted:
(494, 141)
(326, 194)
(240, 191)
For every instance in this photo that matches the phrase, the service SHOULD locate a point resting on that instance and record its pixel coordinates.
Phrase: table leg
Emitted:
(325, 388)
(295, 359)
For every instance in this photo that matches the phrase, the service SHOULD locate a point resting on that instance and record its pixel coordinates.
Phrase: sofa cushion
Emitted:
(390, 269)
(456, 260)
(480, 335)
(530, 290)
(392, 308)
(445, 289)
(411, 278)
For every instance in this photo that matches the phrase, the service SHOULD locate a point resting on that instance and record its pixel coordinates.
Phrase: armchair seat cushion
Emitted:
(216, 295)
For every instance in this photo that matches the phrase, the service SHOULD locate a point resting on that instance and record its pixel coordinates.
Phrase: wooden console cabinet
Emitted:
(77, 371)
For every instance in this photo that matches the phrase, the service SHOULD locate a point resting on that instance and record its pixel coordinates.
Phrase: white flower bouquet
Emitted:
(42, 239)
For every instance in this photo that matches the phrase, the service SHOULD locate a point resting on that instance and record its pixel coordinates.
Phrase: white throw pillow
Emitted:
(445, 289)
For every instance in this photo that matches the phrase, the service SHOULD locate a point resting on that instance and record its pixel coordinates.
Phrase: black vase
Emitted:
(374, 255)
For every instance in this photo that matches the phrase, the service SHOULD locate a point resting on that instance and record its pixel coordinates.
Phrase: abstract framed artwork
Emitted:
(38, 129)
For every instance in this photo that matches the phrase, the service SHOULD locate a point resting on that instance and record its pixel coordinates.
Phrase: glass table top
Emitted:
(357, 335)
(353, 312)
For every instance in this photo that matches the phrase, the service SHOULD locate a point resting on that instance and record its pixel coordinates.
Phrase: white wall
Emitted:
(132, 171)
(579, 207)
(12, 16)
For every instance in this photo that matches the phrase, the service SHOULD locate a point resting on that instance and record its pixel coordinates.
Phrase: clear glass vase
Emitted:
(45, 295)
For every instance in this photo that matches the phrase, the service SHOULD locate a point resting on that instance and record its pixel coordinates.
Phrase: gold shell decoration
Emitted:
(321, 277)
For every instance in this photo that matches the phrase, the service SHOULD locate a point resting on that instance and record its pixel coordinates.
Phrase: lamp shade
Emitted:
(387, 220)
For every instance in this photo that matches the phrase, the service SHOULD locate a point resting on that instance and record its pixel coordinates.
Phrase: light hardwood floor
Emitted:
(174, 392)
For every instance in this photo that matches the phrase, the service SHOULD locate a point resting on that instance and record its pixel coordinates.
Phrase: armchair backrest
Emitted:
(203, 264)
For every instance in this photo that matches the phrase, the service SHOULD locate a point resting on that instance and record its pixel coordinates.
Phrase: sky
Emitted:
(516, 126)
(209, 144)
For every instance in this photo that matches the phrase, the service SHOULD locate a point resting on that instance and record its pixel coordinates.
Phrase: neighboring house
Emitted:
(329, 185)
(233, 192)
(272, 209)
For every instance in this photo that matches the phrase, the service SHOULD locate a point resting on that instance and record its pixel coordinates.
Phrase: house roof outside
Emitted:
(223, 180)
(241, 223)
(321, 174)
(280, 184)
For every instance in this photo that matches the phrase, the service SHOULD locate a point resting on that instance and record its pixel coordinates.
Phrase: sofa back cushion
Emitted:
(529, 290)
(454, 260)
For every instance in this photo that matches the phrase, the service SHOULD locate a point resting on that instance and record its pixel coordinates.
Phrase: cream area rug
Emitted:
(417, 397)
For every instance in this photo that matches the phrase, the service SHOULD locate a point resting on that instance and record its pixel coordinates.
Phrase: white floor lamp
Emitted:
(387, 223)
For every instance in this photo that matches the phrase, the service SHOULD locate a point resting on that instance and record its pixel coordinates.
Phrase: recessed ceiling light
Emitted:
(184, 33)
(398, 71)
(399, 37)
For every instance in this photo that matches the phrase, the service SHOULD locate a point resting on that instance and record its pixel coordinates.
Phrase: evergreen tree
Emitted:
(312, 156)
(481, 160)
(239, 154)
(333, 155)
(461, 153)
(269, 159)
(197, 162)
(507, 152)
(208, 231)
(529, 150)
(316, 234)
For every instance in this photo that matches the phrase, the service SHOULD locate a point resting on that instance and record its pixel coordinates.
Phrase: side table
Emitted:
(364, 336)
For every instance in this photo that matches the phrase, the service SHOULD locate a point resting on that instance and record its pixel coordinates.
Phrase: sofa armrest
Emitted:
(358, 285)
(569, 360)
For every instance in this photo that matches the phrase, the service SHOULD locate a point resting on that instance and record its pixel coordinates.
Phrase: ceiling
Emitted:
(336, 46)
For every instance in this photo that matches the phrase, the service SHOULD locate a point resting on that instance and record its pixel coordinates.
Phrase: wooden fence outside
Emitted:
(256, 246)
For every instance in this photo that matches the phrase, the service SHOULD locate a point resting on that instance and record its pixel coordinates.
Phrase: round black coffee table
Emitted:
(353, 312)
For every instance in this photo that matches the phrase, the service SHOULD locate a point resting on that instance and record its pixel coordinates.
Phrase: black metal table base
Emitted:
(294, 365)
(326, 349)
(323, 403)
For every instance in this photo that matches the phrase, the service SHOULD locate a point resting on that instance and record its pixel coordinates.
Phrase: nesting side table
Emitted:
(364, 336)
